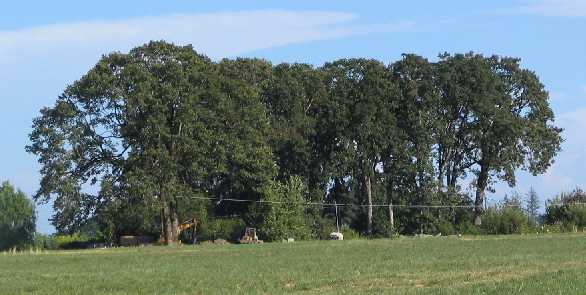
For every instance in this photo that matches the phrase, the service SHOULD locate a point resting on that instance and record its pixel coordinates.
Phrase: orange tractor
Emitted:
(189, 224)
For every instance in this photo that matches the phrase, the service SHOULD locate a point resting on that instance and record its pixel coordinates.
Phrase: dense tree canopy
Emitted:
(17, 218)
(162, 133)
(153, 127)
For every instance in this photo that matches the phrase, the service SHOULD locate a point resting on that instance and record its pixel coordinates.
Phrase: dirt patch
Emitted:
(215, 242)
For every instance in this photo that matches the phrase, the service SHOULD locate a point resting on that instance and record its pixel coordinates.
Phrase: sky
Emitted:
(46, 45)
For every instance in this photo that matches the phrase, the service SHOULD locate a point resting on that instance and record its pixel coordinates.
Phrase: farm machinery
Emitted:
(250, 237)
(190, 225)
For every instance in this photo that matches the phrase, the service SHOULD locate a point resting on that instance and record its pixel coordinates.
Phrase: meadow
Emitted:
(515, 264)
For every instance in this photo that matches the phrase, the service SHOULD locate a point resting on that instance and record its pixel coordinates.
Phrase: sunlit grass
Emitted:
(544, 264)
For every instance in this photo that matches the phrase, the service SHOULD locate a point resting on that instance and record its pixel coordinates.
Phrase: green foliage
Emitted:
(507, 218)
(285, 216)
(161, 128)
(63, 241)
(532, 206)
(552, 228)
(152, 128)
(17, 218)
(357, 127)
(346, 230)
(567, 211)
(349, 233)
(467, 228)
(229, 229)
(72, 241)
(446, 228)
(569, 217)
(505, 221)
(45, 242)
(503, 116)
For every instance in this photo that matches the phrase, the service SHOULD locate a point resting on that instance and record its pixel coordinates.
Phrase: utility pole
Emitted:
(337, 223)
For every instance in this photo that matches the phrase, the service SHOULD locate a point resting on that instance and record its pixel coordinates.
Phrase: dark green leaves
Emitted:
(150, 129)
(17, 218)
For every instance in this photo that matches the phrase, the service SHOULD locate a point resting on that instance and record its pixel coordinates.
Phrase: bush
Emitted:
(567, 211)
(446, 228)
(568, 217)
(349, 233)
(227, 229)
(286, 217)
(467, 228)
(552, 228)
(44, 242)
(72, 241)
(325, 230)
(505, 220)
(321, 227)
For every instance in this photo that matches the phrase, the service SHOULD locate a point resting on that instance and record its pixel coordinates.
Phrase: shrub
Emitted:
(44, 242)
(349, 233)
(505, 220)
(227, 229)
(467, 228)
(552, 228)
(324, 231)
(446, 228)
(285, 218)
(568, 216)
(72, 241)
(321, 227)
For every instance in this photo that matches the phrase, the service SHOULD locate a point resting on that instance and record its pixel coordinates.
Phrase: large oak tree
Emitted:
(162, 123)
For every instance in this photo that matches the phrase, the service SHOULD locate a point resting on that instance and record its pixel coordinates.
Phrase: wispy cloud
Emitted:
(569, 161)
(215, 34)
(565, 174)
(566, 8)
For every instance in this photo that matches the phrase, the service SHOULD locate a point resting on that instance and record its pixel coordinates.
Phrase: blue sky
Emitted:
(45, 45)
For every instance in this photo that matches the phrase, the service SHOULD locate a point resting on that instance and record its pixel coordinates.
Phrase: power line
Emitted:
(338, 204)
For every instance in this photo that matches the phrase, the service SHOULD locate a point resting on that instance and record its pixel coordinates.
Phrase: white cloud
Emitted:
(555, 181)
(574, 124)
(569, 8)
(214, 34)
(567, 170)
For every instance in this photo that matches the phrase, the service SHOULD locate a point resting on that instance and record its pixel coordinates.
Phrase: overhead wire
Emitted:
(338, 204)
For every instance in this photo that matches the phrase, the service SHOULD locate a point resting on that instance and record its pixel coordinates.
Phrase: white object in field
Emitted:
(336, 236)
(289, 240)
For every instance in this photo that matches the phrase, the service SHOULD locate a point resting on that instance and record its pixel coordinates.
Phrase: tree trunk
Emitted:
(162, 238)
(481, 184)
(453, 177)
(391, 217)
(168, 226)
(449, 176)
(368, 186)
(170, 221)
(174, 224)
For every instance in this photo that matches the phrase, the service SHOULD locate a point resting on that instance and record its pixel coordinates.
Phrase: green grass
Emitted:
(544, 264)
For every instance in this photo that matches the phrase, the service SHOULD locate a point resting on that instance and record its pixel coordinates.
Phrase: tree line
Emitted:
(149, 138)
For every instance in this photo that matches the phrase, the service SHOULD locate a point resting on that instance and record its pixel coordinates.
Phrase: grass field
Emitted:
(544, 264)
